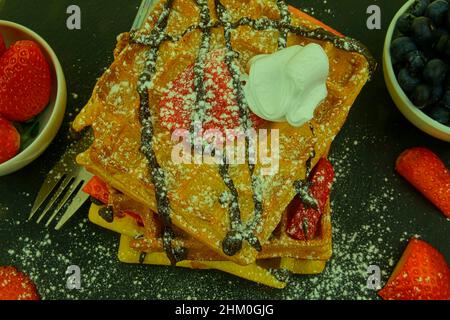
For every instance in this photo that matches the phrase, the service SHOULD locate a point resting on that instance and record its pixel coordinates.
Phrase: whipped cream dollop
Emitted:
(288, 85)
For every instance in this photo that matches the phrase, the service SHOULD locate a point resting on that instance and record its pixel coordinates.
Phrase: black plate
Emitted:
(374, 210)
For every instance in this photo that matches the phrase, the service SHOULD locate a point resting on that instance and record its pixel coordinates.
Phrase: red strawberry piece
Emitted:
(97, 189)
(2, 45)
(303, 221)
(178, 100)
(425, 171)
(421, 274)
(25, 81)
(14, 285)
(9, 140)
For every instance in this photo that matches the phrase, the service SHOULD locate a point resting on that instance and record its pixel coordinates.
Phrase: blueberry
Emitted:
(440, 32)
(447, 84)
(436, 95)
(416, 61)
(404, 23)
(418, 7)
(446, 49)
(400, 47)
(437, 11)
(448, 18)
(446, 100)
(435, 71)
(421, 95)
(440, 114)
(441, 45)
(407, 81)
(422, 30)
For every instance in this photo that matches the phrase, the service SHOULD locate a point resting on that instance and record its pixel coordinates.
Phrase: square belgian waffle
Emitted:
(132, 146)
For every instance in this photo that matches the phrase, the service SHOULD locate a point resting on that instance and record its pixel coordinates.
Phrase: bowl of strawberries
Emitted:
(33, 96)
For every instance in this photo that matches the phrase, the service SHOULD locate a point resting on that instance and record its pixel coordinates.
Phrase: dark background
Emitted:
(375, 211)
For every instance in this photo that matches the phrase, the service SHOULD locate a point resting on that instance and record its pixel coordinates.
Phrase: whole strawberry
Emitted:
(2, 46)
(14, 285)
(25, 81)
(9, 140)
(421, 274)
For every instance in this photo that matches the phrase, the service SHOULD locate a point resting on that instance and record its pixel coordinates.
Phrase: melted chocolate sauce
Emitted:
(302, 186)
(158, 175)
(285, 20)
(199, 114)
(232, 243)
(107, 214)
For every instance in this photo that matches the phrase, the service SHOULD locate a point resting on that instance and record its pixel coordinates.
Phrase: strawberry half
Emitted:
(2, 45)
(425, 171)
(303, 221)
(14, 285)
(9, 140)
(222, 112)
(421, 274)
(25, 81)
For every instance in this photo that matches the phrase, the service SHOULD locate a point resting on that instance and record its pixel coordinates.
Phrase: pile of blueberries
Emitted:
(421, 54)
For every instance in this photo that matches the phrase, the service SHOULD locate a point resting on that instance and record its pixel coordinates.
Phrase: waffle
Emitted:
(132, 149)
(262, 271)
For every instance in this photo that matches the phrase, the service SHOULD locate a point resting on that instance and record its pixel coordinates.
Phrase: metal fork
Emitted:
(67, 177)
(61, 183)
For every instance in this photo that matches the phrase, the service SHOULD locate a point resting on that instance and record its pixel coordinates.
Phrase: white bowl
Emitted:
(52, 117)
(411, 112)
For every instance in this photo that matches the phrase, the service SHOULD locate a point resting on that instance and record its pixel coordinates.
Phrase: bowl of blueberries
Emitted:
(416, 65)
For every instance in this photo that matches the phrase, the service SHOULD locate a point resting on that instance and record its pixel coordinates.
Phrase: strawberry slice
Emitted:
(97, 189)
(222, 112)
(421, 274)
(14, 285)
(2, 46)
(303, 220)
(428, 174)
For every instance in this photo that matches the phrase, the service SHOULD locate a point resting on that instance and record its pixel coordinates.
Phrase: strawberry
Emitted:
(303, 220)
(2, 46)
(425, 171)
(9, 140)
(178, 99)
(421, 274)
(97, 189)
(14, 285)
(25, 81)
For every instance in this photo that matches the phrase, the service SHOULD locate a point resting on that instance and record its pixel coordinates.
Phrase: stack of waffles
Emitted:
(212, 216)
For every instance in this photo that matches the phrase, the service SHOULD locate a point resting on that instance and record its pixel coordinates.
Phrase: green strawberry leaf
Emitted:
(28, 132)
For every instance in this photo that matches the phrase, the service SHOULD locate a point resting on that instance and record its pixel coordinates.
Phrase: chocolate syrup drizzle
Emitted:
(232, 243)
(158, 175)
(285, 20)
(198, 116)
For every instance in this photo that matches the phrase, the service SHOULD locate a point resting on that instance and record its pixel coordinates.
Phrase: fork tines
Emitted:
(63, 183)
